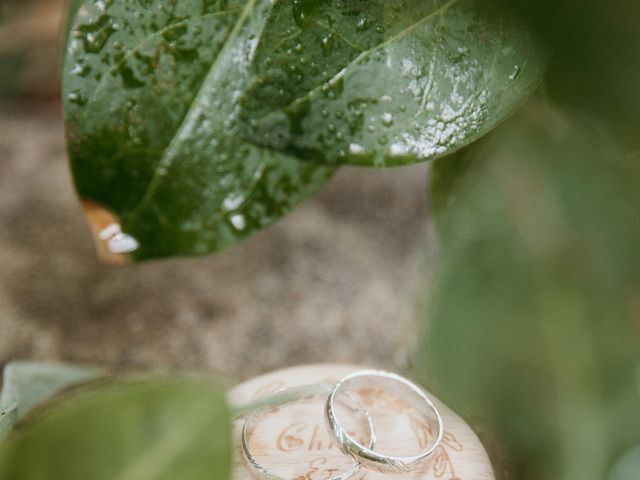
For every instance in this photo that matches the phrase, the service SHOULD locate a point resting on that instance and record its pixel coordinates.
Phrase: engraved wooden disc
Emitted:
(293, 442)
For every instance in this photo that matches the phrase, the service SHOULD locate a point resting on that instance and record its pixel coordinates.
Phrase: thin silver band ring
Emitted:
(289, 396)
(365, 455)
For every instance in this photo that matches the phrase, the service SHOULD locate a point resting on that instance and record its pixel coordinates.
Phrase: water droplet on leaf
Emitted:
(239, 222)
(327, 44)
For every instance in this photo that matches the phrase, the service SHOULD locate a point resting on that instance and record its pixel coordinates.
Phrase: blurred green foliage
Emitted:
(596, 65)
(628, 468)
(127, 429)
(26, 384)
(534, 321)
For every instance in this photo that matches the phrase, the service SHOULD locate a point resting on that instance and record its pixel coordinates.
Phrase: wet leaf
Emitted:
(386, 83)
(156, 429)
(533, 323)
(150, 95)
(72, 9)
(26, 384)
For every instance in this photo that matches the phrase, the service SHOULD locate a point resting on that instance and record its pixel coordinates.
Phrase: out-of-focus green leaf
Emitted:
(596, 50)
(25, 384)
(151, 92)
(386, 83)
(443, 181)
(162, 429)
(628, 467)
(533, 322)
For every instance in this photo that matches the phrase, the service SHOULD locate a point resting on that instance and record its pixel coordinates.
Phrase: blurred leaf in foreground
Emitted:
(443, 185)
(628, 468)
(534, 321)
(163, 429)
(596, 66)
(25, 384)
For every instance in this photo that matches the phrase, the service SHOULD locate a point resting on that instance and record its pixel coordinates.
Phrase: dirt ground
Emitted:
(338, 280)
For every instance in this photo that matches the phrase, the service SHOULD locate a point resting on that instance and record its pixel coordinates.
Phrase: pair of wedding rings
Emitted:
(365, 456)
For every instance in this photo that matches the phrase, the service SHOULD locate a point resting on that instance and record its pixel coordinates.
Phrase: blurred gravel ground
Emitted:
(338, 280)
(30, 43)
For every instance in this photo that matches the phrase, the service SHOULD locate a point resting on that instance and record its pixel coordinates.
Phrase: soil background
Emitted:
(338, 280)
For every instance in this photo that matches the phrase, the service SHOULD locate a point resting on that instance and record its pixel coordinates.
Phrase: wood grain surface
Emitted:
(293, 442)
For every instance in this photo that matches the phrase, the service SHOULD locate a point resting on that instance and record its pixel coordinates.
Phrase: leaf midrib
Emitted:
(167, 158)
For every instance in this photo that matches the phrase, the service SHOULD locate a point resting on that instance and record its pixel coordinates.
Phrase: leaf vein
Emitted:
(187, 122)
(142, 42)
(364, 54)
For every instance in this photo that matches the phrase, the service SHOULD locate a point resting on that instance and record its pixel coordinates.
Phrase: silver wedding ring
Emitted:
(285, 397)
(365, 455)
(344, 393)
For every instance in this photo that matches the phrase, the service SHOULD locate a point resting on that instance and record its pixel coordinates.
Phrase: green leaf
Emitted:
(151, 93)
(443, 190)
(154, 429)
(386, 83)
(595, 49)
(532, 324)
(26, 384)
(72, 10)
(628, 467)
